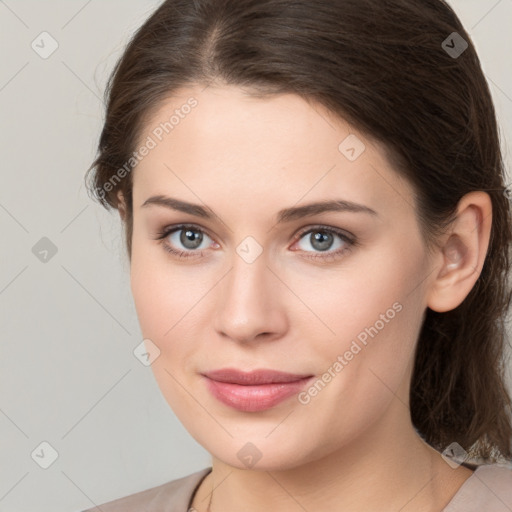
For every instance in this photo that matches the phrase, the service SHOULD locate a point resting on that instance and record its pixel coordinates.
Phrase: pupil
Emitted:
(321, 241)
(191, 237)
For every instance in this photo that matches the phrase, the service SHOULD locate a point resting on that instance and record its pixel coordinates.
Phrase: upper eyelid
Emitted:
(173, 228)
(320, 227)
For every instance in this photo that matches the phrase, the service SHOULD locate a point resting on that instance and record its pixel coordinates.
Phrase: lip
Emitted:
(253, 391)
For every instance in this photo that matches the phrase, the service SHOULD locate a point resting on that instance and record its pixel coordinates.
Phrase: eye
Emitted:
(185, 240)
(322, 239)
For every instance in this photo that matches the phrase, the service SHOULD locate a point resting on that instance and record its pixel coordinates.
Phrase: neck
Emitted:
(389, 467)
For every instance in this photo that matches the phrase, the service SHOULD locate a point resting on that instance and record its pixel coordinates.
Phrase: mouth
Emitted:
(254, 391)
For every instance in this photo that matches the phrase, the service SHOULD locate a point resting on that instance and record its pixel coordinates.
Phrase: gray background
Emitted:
(68, 326)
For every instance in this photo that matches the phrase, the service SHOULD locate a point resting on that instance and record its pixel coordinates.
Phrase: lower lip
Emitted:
(254, 398)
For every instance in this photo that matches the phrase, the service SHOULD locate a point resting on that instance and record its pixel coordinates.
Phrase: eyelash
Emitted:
(326, 257)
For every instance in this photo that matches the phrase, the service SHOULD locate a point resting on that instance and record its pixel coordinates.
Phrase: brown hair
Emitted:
(399, 75)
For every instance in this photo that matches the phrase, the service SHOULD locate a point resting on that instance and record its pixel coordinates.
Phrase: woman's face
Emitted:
(267, 283)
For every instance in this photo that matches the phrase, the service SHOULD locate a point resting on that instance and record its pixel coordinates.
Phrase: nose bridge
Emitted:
(249, 268)
(246, 285)
(248, 305)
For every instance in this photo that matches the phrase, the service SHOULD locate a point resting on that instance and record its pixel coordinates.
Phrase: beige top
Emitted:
(488, 489)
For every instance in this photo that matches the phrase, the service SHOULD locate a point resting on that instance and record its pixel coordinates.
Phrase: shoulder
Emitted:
(172, 496)
(489, 488)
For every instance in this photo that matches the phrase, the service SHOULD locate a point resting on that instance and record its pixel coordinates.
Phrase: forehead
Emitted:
(221, 142)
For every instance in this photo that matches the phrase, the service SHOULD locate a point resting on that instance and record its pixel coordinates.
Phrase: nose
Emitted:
(249, 305)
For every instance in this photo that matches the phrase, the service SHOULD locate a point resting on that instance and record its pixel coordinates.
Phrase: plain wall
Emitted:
(68, 326)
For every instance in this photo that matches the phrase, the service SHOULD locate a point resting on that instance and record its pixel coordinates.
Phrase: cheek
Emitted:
(374, 313)
(361, 374)
(161, 311)
(359, 300)
(147, 297)
(162, 293)
(168, 303)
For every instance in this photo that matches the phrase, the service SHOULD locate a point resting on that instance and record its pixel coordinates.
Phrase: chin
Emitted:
(253, 449)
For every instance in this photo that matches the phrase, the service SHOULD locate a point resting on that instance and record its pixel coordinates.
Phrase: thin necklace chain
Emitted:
(193, 509)
(209, 509)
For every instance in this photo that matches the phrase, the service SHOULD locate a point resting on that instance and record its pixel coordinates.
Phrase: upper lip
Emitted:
(254, 377)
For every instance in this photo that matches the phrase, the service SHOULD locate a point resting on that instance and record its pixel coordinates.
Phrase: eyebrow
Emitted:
(285, 215)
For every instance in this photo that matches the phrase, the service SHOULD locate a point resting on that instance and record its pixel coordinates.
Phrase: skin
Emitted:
(353, 446)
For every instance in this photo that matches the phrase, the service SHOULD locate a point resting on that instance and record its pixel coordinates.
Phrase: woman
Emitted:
(319, 235)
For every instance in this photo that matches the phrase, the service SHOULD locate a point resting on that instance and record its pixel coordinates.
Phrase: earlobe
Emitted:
(463, 254)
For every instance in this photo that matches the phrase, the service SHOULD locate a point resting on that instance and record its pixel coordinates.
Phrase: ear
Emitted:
(462, 257)
(121, 205)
